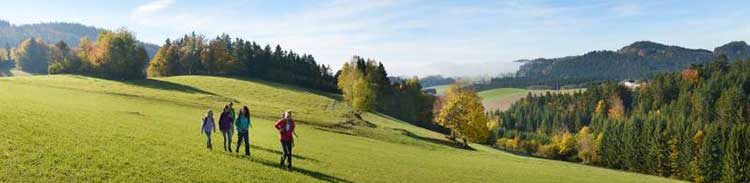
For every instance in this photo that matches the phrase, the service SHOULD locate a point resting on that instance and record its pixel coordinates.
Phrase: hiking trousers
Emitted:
(286, 146)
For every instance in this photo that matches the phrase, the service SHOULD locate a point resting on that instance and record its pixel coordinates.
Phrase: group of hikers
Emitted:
(229, 122)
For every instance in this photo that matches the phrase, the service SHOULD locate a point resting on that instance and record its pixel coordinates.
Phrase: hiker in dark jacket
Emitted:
(225, 126)
(286, 126)
(243, 123)
(207, 127)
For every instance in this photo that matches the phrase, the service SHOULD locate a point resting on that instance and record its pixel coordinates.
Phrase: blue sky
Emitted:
(415, 37)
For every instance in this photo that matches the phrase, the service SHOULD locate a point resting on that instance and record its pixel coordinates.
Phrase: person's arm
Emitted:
(213, 122)
(277, 125)
(293, 126)
(294, 129)
(237, 123)
(203, 124)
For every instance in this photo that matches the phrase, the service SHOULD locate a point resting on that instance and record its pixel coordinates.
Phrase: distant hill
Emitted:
(436, 80)
(51, 33)
(639, 60)
(736, 50)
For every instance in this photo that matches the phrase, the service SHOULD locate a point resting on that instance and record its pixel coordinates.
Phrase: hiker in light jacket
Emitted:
(208, 127)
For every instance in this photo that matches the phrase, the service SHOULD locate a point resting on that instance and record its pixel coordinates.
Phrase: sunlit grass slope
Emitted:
(80, 129)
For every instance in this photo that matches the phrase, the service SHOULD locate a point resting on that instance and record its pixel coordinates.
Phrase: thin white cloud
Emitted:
(149, 13)
(153, 7)
(627, 9)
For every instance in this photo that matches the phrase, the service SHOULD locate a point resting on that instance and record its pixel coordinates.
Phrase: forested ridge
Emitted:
(691, 125)
(194, 54)
(637, 61)
(53, 32)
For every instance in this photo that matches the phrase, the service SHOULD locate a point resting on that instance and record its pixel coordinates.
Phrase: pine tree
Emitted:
(737, 159)
(710, 163)
(730, 106)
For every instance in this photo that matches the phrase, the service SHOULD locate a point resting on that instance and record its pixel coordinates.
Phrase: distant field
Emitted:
(80, 129)
(440, 88)
(503, 98)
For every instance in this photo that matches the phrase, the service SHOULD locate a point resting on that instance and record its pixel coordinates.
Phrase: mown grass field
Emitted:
(503, 98)
(440, 89)
(79, 129)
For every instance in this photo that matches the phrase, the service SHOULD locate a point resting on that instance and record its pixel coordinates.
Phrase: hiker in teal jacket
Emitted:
(242, 124)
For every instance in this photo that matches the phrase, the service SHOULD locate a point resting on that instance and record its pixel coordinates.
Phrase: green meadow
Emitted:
(65, 128)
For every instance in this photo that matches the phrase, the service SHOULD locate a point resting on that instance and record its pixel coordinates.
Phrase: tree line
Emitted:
(194, 54)
(691, 125)
(118, 55)
(366, 87)
(114, 55)
(6, 59)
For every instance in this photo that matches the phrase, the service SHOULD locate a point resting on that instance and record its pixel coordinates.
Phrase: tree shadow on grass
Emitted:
(314, 174)
(5, 72)
(291, 87)
(166, 85)
(434, 140)
(279, 153)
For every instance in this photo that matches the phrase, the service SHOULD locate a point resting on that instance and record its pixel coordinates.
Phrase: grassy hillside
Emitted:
(80, 129)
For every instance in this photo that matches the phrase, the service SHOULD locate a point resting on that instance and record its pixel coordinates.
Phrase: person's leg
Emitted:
(210, 145)
(230, 133)
(283, 154)
(239, 142)
(247, 143)
(224, 136)
(289, 154)
(207, 138)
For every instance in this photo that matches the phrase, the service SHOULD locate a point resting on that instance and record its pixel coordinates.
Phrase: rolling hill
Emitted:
(63, 128)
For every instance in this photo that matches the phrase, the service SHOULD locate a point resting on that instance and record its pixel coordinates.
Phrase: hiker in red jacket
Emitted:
(285, 125)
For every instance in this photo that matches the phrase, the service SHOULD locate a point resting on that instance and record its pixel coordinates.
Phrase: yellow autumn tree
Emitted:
(359, 92)
(616, 109)
(566, 144)
(585, 142)
(600, 107)
(463, 113)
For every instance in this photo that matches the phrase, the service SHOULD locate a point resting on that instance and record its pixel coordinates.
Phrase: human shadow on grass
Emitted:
(314, 174)
(253, 147)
